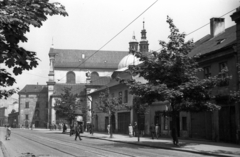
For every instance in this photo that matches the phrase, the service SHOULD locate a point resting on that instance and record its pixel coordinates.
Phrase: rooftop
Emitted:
(79, 58)
(34, 89)
(208, 44)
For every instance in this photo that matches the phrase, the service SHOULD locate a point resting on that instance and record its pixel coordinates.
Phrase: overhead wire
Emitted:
(123, 30)
(115, 36)
(208, 23)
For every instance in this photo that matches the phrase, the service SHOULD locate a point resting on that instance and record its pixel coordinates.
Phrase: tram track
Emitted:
(84, 147)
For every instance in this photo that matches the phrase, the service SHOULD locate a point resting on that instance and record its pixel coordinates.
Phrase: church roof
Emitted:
(101, 81)
(79, 58)
(34, 89)
(75, 89)
(208, 44)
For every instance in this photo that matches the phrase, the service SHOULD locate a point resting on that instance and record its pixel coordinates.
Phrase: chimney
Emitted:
(217, 26)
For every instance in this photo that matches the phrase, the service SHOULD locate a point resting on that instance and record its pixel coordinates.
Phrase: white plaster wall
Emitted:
(61, 75)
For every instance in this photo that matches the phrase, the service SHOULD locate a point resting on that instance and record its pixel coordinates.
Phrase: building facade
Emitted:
(122, 118)
(33, 106)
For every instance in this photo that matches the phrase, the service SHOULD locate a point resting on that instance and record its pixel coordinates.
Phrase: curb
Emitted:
(161, 147)
(3, 149)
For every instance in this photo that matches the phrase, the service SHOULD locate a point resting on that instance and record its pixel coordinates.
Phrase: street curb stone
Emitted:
(146, 145)
(4, 150)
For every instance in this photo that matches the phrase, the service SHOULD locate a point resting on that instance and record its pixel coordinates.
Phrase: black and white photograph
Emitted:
(119, 78)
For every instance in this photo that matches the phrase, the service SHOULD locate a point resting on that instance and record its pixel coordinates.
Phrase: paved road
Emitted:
(24, 143)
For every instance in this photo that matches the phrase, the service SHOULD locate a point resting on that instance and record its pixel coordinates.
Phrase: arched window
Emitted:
(94, 76)
(71, 77)
(37, 114)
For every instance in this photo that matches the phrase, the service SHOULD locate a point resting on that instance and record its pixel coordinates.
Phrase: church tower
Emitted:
(51, 82)
(133, 45)
(144, 42)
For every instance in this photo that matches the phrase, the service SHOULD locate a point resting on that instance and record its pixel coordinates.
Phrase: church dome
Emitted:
(130, 59)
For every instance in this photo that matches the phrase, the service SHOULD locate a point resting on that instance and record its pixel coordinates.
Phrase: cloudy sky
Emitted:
(92, 23)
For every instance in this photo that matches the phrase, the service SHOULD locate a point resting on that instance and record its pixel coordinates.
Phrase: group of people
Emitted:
(155, 131)
(133, 130)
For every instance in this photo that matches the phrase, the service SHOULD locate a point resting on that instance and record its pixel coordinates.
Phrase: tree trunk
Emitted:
(138, 130)
(110, 123)
(174, 128)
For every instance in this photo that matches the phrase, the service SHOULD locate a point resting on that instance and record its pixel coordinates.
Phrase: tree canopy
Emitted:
(67, 104)
(171, 76)
(110, 104)
(16, 17)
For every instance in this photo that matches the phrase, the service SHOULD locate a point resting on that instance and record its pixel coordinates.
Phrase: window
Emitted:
(37, 104)
(27, 105)
(184, 123)
(36, 113)
(71, 77)
(206, 71)
(26, 95)
(94, 76)
(26, 116)
(223, 70)
(125, 96)
(165, 123)
(112, 94)
(120, 97)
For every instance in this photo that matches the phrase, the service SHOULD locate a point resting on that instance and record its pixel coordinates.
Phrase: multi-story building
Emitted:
(33, 106)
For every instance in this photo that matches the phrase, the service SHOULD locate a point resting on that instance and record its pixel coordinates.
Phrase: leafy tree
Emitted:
(172, 76)
(16, 17)
(110, 105)
(67, 103)
(140, 108)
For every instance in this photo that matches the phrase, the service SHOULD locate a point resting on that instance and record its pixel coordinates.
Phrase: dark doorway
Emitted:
(123, 122)
(36, 124)
(113, 123)
(227, 124)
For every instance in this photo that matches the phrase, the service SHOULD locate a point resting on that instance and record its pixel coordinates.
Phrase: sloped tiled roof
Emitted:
(208, 44)
(73, 58)
(75, 89)
(34, 89)
(101, 81)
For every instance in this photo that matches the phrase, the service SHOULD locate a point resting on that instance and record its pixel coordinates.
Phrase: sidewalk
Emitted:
(199, 147)
(193, 146)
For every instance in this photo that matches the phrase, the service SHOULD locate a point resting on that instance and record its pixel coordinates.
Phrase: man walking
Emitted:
(152, 130)
(77, 132)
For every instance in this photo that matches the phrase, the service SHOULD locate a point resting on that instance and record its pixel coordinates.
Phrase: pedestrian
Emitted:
(72, 131)
(91, 129)
(64, 128)
(174, 136)
(135, 129)
(152, 131)
(130, 130)
(78, 130)
(157, 131)
(108, 128)
(8, 132)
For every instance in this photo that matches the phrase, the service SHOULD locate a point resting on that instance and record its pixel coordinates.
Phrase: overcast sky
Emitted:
(92, 23)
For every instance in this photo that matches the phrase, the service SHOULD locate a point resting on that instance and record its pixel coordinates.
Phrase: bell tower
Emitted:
(133, 44)
(144, 42)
